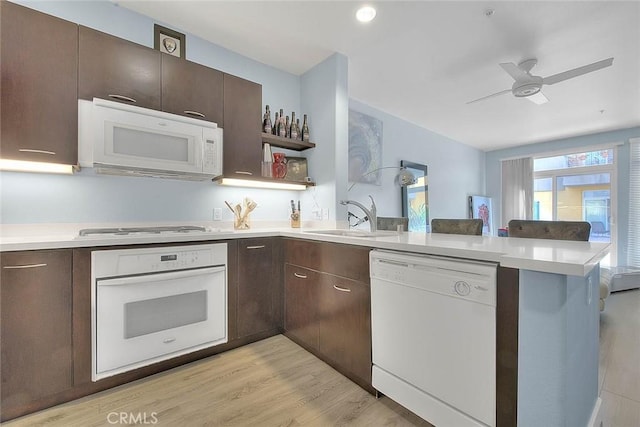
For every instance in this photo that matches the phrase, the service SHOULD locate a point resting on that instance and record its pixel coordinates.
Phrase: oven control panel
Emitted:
(177, 260)
(122, 262)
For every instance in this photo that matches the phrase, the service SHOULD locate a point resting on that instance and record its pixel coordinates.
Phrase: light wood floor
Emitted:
(276, 383)
(273, 382)
(619, 374)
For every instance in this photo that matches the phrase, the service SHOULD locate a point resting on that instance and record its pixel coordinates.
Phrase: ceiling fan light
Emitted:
(538, 98)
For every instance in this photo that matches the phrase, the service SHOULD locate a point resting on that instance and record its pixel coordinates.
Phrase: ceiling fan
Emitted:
(528, 86)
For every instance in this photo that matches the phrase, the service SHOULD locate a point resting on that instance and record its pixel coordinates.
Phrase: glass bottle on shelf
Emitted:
(305, 129)
(266, 123)
(282, 125)
(287, 128)
(299, 134)
(274, 129)
(293, 132)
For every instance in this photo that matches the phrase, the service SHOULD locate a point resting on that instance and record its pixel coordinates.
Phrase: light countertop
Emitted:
(551, 256)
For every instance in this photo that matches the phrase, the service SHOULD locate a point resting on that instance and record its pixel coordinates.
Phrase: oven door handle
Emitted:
(172, 275)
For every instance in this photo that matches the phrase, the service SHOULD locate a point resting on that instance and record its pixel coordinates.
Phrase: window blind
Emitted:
(633, 249)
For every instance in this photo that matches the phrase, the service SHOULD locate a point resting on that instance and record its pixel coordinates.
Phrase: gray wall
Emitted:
(455, 170)
(558, 329)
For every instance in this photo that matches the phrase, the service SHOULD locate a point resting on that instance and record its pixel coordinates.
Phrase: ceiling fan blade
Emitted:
(538, 98)
(513, 70)
(556, 78)
(490, 96)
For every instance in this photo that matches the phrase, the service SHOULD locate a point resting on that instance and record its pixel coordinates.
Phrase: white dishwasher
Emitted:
(433, 322)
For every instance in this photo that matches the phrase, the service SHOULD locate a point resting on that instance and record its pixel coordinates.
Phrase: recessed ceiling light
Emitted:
(366, 14)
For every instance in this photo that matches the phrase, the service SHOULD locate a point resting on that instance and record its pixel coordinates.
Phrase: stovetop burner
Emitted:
(127, 231)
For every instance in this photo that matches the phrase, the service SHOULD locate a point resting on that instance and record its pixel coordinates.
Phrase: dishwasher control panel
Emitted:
(467, 279)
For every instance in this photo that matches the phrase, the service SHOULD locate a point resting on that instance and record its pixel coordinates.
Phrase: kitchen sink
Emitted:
(354, 233)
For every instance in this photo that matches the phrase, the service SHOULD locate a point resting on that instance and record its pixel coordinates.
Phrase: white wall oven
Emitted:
(153, 304)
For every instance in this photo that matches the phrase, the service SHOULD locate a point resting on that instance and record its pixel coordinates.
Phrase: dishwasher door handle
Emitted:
(392, 262)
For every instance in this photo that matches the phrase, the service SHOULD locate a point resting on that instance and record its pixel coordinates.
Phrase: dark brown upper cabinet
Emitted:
(242, 135)
(39, 79)
(192, 90)
(115, 69)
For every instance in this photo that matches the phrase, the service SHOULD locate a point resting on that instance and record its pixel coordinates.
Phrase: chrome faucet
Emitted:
(370, 213)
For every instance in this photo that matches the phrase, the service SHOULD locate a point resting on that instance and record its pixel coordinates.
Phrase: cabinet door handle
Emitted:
(300, 276)
(194, 113)
(16, 267)
(122, 98)
(341, 289)
(33, 150)
(255, 247)
(244, 173)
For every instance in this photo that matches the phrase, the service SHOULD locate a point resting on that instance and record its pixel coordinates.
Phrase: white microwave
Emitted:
(121, 139)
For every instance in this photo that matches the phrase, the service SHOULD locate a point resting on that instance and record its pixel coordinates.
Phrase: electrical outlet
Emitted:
(325, 213)
(217, 214)
(317, 214)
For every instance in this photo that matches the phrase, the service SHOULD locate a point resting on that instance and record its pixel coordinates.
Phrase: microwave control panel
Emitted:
(212, 151)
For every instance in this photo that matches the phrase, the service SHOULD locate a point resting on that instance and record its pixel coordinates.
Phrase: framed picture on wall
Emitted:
(169, 41)
(415, 198)
(480, 207)
(297, 169)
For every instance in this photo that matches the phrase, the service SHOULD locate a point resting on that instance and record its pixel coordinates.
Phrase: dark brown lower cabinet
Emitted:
(259, 286)
(344, 319)
(301, 301)
(36, 335)
(328, 314)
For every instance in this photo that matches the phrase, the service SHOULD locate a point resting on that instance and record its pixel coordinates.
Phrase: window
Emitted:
(633, 251)
(577, 187)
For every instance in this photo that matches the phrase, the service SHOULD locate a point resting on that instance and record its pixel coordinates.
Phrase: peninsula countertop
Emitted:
(550, 256)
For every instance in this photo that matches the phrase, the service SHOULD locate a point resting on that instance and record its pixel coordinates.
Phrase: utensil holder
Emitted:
(295, 219)
(242, 222)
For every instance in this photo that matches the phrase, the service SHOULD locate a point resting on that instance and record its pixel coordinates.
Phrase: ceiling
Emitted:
(423, 61)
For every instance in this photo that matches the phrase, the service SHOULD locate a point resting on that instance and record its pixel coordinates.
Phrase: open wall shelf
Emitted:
(288, 143)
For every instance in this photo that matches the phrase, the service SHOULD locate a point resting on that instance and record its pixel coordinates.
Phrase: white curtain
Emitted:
(517, 189)
(633, 245)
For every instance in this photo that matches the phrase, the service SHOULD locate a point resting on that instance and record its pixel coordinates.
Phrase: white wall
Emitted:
(455, 170)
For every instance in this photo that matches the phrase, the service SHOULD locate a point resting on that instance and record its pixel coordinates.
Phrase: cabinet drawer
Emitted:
(345, 260)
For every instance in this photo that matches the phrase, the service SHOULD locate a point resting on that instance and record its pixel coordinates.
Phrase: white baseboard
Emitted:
(597, 415)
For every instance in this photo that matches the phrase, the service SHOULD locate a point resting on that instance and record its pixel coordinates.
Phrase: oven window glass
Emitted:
(160, 314)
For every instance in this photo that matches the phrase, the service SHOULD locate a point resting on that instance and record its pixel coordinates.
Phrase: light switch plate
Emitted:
(217, 214)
